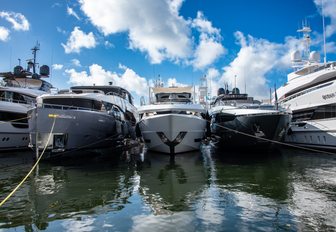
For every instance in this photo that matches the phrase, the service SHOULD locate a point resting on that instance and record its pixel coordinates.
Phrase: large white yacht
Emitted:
(173, 123)
(18, 95)
(310, 94)
(240, 122)
(84, 118)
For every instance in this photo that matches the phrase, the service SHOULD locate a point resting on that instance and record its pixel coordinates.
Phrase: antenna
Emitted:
(245, 84)
(35, 49)
(324, 36)
(306, 35)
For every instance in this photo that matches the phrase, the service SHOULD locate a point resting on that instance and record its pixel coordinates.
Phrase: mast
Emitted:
(324, 36)
(35, 49)
(306, 36)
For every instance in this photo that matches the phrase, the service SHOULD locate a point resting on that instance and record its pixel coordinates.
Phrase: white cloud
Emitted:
(256, 58)
(173, 82)
(331, 46)
(76, 62)
(212, 76)
(203, 25)
(71, 12)
(108, 44)
(329, 10)
(78, 39)
(209, 48)
(129, 79)
(57, 66)
(154, 27)
(60, 30)
(207, 52)
(18, 21)
(4, 34)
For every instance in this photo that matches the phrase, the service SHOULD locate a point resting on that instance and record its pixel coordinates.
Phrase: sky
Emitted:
(133, 43)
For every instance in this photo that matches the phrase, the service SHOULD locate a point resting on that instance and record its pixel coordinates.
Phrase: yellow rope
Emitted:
(18, 119)
(277, 142)
(32, 169)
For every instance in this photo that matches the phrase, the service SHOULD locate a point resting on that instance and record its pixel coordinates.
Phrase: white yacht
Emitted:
(310, 94)
(17, 96)
(173, 123)
(14, 105)
(84, 118)
(239, 121)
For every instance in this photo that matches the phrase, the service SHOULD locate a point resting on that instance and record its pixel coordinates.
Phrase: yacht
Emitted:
(83, 118)
(239, 121)
(17, 96)
(310, 94)
(172, 123)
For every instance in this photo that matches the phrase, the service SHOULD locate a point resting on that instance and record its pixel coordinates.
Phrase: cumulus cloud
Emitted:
(213, 76)
(108, 44)
(57, 66)
(4, 34)
(71, 12)
(173, 82)
(129, 79)
(18, 21)
(256, 58)
(76, 62)
(78, 40)
(207, 52)
(154, 27)
(60, 30)
(209, 48)
(204, 26)
(329, 10)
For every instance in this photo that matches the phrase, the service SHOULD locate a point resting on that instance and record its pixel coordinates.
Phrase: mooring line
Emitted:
(14, 120)
(277, 142)
(32, 169)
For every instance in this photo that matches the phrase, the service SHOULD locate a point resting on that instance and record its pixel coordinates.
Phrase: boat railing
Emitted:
(115, 94)
(15, 101)
(176, 101)
(67, 107)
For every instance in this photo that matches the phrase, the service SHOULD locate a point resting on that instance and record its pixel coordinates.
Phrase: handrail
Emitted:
(15, 101)
(67, 107)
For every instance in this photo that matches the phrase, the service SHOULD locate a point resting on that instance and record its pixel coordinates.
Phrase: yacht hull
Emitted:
(12, 138)
(172, 133)
(319, 134)
(14, 132)
(249, 131)
(73, 130)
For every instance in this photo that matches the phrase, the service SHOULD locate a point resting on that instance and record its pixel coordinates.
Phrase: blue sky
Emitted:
(133, 42)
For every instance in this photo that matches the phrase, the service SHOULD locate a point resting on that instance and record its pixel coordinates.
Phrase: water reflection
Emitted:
(313, 184)
(201, 191)
(61, 192)
(250, 191)
(170, 184)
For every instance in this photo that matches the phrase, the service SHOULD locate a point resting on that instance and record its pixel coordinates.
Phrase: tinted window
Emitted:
(74, 102)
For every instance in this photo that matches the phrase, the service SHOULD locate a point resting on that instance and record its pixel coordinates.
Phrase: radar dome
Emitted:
(235, 91)
(17, 70)
(44, 70)
(35, 76)
(296, 56)
(220, 91)
(314, 56)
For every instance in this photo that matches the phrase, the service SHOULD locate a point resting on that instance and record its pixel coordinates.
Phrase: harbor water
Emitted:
(283, 190)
